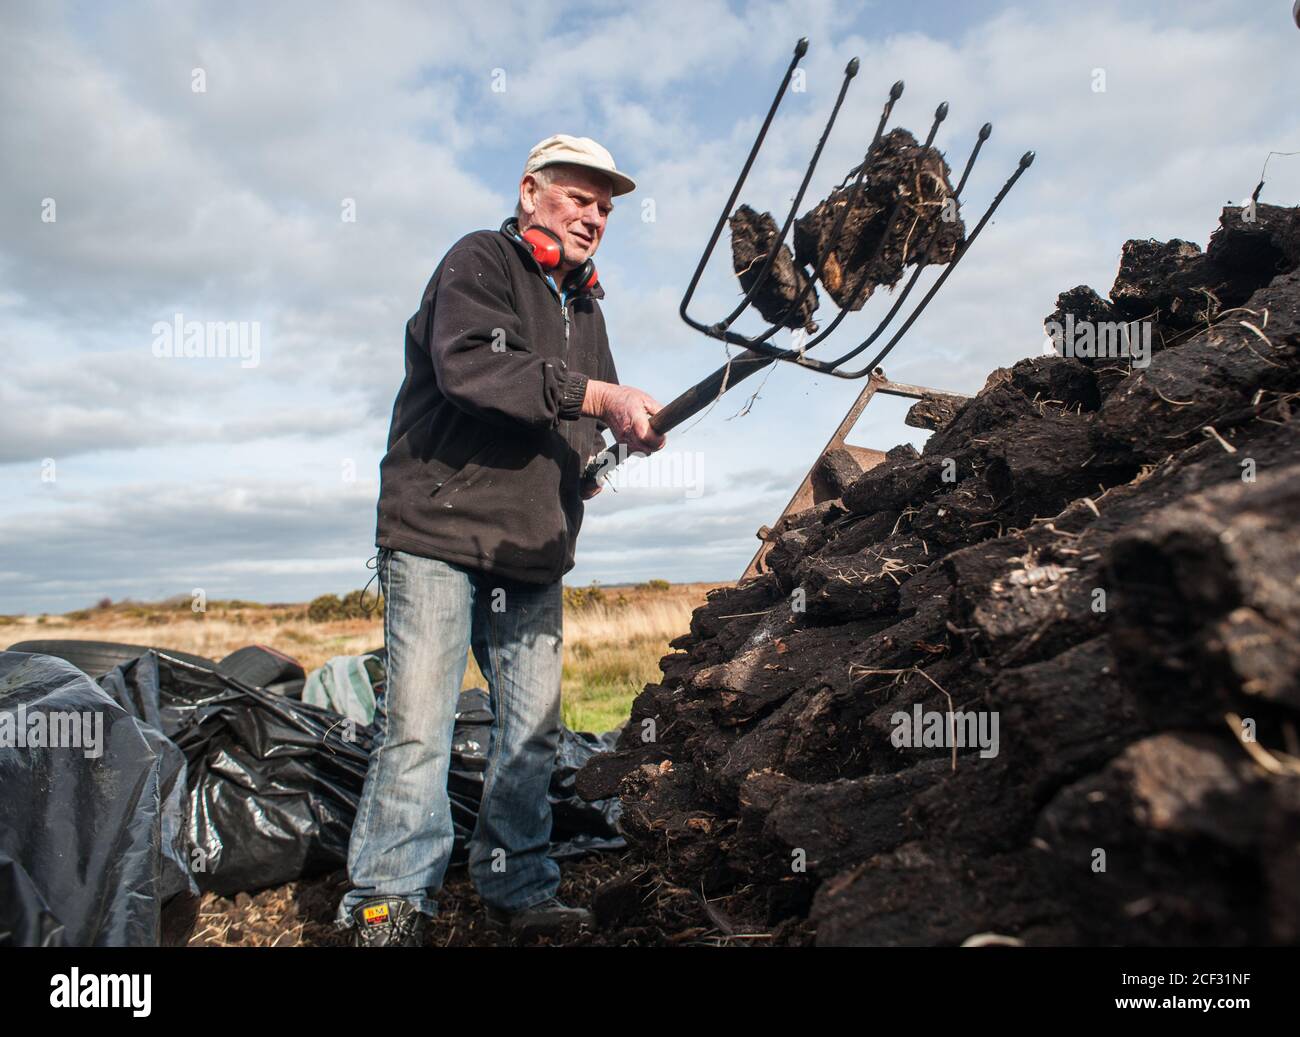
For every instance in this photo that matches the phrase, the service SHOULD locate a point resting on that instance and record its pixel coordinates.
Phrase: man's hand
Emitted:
(627, 411)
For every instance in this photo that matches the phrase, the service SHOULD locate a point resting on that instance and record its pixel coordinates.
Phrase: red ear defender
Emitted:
(547, 248)
(583, 279)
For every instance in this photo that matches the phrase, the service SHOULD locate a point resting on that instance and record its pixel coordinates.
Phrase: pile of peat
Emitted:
(1104, 560)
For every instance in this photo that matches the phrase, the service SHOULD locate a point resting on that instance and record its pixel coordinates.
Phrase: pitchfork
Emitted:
(758, 352)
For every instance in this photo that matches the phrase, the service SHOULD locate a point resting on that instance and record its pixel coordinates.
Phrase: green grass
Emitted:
(601, 680)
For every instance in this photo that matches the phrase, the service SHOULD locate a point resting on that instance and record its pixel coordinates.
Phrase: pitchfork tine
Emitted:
(718, 329)
(895, 92)
(800, 49)
(985, 132)
(940, 114)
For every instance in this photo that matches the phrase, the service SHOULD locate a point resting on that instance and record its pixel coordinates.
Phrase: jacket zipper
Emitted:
(564, 312)
(564, 309)
(564, 362)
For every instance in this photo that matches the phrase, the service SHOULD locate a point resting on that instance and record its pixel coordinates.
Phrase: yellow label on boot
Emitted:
(376, 915)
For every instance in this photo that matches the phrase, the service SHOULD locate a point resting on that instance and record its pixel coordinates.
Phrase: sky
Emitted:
(203, 160)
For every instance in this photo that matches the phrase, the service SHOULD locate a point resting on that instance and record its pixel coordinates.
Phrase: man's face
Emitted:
(574, 206)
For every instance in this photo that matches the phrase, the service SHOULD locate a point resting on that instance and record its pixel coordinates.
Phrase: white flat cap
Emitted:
(578, 151)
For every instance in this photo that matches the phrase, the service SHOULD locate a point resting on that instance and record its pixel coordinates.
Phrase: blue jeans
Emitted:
(434, 612)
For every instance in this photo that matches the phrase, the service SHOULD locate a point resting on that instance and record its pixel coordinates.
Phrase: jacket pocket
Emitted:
(504, 508)
(464, 476)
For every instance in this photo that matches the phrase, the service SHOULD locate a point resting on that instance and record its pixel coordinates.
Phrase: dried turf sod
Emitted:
(924, 230)
(752, 235)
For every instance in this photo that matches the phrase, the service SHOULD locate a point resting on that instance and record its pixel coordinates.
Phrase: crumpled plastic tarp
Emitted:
(90, 830)
(275, 783)
(576, 825)
(91, 849)
(350, 684)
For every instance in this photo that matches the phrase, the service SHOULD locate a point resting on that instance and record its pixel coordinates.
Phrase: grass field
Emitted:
(613, 637)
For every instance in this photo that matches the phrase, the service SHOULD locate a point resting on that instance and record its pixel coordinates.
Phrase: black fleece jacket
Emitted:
(487, 442)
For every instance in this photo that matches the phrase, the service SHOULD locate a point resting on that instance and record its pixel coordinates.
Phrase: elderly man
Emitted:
(509, 380)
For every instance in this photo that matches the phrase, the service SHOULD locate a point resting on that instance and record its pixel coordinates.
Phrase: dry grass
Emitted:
(613, 640)
(214, 634)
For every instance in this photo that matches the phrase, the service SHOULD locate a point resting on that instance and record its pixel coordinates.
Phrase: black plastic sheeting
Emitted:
(275, 782)
(90, 839)
(91, 849)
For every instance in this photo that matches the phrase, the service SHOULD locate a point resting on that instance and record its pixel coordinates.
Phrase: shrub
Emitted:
(583, 597)
(325, 608)
(353, 605)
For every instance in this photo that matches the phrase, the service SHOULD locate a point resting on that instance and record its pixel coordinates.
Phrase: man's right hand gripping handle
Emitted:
(627, 411)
